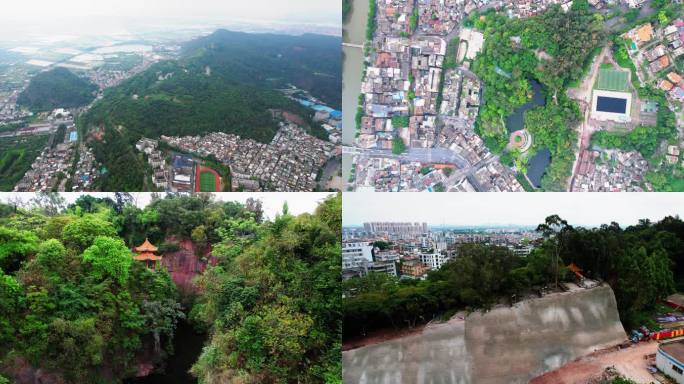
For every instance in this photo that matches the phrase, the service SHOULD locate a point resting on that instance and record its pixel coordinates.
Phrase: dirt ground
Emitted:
(380, 336)
(630, 362)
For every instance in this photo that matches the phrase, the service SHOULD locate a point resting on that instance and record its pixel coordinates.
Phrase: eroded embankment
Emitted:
(504, 345)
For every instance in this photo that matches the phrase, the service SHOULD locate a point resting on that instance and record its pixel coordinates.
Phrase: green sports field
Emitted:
(207, 182)
(612, 80)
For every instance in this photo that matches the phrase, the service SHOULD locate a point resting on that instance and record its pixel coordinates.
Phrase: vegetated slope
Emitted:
(311, 62)
(76, 307)
(223, 82)
(57, 88)
(273, 301)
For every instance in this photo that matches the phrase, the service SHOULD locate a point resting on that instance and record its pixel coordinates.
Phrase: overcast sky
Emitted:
(297, 202)
(586, 209)
(89, 17)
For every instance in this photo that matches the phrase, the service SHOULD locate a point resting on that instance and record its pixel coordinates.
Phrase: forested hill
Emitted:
(311, 62)
(226, 82)
(57, 88)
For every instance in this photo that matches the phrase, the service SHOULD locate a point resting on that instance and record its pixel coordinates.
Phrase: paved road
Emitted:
(423, 155)
(470, 171)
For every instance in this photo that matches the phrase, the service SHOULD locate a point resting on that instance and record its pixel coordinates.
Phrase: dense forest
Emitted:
(642, 263)
(553, 48)
(77, 306)
(57, 88)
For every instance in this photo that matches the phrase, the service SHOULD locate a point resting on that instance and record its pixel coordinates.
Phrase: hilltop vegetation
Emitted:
(224, 82)
(57, 88)
(310, 62)
(76, 304)
(188, 102)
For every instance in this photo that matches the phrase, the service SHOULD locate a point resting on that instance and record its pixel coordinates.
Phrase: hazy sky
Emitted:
(90, 17)
(297, 202)
(515, 208)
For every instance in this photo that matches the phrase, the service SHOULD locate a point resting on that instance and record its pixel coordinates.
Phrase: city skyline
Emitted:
(495, 209)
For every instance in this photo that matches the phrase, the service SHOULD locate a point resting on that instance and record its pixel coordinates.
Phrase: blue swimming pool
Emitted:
(611, 104)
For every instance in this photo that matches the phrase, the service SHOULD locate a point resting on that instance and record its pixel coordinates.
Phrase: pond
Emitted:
(515, 121)
(536, 166)
(187, 344)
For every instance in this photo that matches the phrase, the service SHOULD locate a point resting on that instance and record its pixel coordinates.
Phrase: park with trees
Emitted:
(552, 48)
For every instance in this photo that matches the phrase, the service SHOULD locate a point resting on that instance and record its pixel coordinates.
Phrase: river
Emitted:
(354, 32)
(187, 345)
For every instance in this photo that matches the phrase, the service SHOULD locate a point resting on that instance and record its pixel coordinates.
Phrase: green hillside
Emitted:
(57, 88)
(225, 82)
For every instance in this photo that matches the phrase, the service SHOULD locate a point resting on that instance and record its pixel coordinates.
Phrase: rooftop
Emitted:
(146, 247)
(674, 349)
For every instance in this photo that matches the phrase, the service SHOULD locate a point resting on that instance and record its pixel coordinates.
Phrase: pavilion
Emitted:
(147, 253)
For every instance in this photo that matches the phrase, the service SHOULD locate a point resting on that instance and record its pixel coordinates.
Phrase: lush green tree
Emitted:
(15, 247)
(11, 303)
(273, 304)
(82, 232)
(398, 146)
(110, 259)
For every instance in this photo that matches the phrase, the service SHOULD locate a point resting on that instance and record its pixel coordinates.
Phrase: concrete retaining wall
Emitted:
(504, 345)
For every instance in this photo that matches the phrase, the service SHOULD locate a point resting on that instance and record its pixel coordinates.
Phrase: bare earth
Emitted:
(630, 362)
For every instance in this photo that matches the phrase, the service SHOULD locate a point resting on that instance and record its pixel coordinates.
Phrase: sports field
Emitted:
(612, 80)
(207, 180)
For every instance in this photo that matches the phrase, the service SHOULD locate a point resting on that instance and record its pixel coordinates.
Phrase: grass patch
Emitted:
(207, 182)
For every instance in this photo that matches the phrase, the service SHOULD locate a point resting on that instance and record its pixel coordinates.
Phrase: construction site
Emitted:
(566, 337)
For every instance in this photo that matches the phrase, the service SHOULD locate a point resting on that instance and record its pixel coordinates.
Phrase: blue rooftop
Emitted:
(182, 161)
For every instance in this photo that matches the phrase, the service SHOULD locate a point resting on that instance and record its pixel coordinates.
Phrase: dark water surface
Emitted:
(187, 345)
(515, 121)
(536, 166)
(611, 104)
